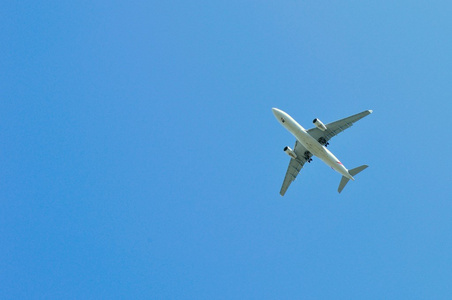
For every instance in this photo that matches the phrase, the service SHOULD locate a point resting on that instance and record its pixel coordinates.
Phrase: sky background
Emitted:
(139, 156)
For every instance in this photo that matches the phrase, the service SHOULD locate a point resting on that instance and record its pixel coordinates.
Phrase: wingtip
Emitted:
(370, 111)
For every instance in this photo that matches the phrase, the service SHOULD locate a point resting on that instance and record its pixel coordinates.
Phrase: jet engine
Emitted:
(319, 124)
(290, 152)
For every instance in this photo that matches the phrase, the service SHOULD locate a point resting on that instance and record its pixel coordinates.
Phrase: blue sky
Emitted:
(140, 158)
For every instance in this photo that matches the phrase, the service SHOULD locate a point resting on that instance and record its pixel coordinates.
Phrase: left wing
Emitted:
(295, 165)
(336, 127)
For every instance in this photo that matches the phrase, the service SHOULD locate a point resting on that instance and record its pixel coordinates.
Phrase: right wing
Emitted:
(295, 166)
(336, 127)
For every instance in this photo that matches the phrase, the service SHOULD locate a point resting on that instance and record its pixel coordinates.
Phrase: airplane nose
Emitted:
(275, 111)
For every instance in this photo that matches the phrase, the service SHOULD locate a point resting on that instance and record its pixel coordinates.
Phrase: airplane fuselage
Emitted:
(310, 143)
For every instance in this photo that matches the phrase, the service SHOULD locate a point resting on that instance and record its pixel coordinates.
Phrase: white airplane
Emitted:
(314, 142)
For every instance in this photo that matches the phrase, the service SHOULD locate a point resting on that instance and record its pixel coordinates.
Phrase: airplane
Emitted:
(313, 142)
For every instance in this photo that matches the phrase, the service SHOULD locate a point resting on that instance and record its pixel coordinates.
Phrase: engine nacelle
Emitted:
(290, 152)
(319, 124)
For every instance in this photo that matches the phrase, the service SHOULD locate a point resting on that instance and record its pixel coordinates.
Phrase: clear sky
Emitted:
(139, 156)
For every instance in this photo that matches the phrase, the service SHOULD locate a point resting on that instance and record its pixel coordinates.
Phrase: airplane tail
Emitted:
(352, 172)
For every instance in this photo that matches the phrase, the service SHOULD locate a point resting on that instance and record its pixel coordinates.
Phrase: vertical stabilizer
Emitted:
(344, 181)
(352, 172)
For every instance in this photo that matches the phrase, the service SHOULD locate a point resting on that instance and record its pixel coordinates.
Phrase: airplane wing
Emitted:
(295, 166)
(335, 128)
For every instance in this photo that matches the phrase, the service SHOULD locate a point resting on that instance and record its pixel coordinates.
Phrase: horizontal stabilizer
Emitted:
(352, 172)
(355, 171)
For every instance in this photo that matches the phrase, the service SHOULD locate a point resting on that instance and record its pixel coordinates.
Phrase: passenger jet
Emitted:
(314, 142)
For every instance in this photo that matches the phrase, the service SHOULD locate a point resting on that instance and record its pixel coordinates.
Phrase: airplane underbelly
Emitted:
(311, 144)
(318, 150)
